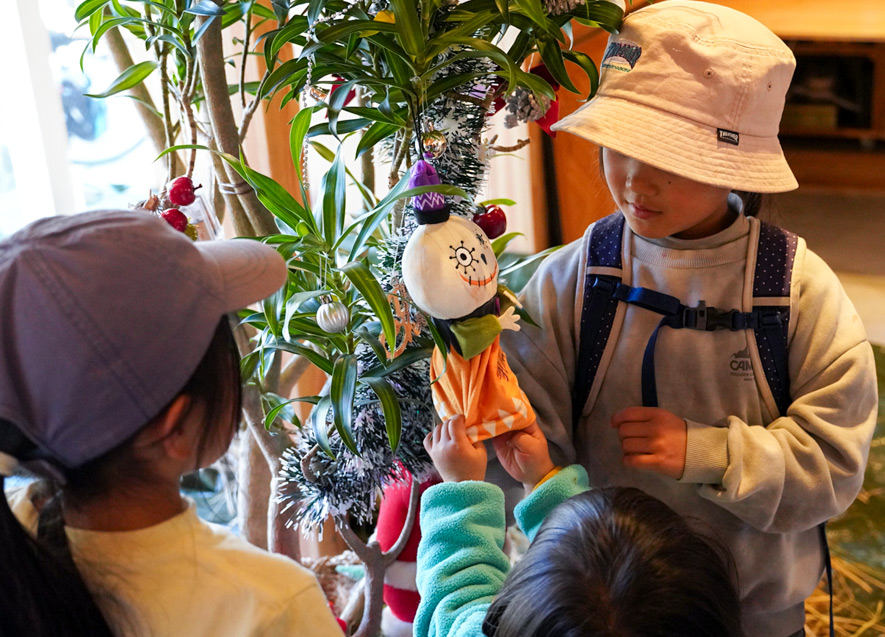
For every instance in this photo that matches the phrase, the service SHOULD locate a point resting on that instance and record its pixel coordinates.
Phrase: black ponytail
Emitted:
(42, 593)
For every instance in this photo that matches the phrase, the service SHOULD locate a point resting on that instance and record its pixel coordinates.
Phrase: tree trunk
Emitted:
(253, 480)
(224, 127)
(152, 123)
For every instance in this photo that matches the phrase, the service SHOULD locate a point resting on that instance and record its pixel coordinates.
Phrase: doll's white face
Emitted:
(450, 268)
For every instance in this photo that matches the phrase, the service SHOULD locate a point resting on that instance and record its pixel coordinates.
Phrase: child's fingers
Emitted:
(456, 429)
(632, 430)
(636, 445)
(641, 461)
(633, 414)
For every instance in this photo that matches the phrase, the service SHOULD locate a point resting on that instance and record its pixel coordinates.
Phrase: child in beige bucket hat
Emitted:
(685, 348)
(697, 90)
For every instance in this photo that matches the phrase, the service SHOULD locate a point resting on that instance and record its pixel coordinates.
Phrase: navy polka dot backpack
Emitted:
(768, 319)
(604, 290)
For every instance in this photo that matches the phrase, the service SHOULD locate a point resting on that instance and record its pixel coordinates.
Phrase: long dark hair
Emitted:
(616, 562)
(43, 593)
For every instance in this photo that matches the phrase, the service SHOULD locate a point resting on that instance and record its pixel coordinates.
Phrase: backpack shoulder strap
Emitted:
(599, 306)
(772, 277)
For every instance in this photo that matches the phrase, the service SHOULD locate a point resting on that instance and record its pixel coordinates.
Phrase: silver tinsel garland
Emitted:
(348, 485)
(463, 123)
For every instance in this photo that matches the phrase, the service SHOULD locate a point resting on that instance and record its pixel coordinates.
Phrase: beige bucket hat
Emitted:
(696, 89)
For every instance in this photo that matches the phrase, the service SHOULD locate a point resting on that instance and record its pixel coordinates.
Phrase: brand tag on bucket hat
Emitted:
(696, 89)
(729, 136)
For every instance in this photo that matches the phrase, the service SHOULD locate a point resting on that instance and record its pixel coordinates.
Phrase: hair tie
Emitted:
(8, 465)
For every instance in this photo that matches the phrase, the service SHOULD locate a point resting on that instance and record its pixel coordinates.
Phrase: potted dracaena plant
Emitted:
(406, 79)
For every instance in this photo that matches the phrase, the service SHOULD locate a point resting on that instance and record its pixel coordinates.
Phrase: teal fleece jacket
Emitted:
(461, 562)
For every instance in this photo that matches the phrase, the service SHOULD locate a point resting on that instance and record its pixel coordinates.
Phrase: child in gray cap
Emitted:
(118, 374)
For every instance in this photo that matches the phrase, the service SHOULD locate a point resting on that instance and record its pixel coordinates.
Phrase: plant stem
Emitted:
(167, 110)
(153, 123)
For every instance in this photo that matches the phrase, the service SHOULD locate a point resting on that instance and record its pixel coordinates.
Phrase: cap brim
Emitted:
(680, 146)
(249, 270)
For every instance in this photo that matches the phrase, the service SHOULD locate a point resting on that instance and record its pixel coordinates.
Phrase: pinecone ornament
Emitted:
(558, 7)
(523, 107)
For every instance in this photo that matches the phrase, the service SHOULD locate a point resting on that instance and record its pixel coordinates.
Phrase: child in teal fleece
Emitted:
(605, 562)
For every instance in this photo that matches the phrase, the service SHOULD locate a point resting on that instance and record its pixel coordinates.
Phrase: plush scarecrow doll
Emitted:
(451, 273)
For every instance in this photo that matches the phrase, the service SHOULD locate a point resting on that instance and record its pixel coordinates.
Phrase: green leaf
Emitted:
(280, 9)
(342, 391)
(205, 7)
(496, 55)
(588, 66)
(408, 357)
(290, 415)
(526, 261)
(338, 32)
(439, 344)
(132, 76)
(372, 341)
(293, 30)
(408, 27)
(176, 42)
(314, 9)
(451, 82)
(292, 306)
(271, 194)
(334, 202)
(318, 421)
(336, 103)
(104, 27)
(536, 84)
(470, 24)
(497, 202)
(372, 114)
(605, 15)
(343, 126)
(297, 131)
(281, 75)
(375, 133)
(248, 363)
(86, 9)
(393, 419)
(314, 357)
(271, 307)
(552, 56)
(203, 28)
(504, 8)
(500, 244)
(94, 23)
(363, 280)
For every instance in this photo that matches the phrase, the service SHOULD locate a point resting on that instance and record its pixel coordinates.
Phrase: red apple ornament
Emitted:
(181, 191)
(492, 220)
(175, 218)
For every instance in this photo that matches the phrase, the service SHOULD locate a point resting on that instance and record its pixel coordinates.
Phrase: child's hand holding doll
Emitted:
(524, 455)
(455, 457)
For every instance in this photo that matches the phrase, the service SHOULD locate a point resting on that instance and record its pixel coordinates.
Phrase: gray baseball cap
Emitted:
(105, 315)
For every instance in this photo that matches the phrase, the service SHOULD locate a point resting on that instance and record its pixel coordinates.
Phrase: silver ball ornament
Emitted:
(318, 93)
(333, 317)
(434, 143)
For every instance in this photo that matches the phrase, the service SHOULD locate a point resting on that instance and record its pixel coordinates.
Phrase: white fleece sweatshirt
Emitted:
(764, 483)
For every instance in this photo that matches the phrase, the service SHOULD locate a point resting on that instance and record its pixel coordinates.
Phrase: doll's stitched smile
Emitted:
(480, 282)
